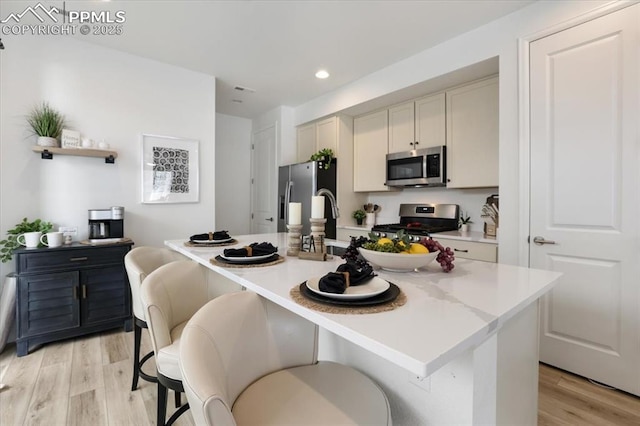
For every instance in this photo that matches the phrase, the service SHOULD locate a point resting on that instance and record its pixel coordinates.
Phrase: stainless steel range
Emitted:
(422, 220)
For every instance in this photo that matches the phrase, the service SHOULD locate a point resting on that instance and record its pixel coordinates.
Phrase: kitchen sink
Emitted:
(335, 250)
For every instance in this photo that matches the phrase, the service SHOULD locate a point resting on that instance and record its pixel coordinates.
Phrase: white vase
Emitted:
(47, 141)
(371, 219)
(464, 227)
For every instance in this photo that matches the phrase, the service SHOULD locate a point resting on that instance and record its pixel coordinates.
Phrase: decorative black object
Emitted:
(253, 249)
(347, 274)
(221, 259)
(217, 235)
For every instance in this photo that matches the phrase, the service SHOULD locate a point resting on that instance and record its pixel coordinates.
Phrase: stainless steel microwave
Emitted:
(420, 167)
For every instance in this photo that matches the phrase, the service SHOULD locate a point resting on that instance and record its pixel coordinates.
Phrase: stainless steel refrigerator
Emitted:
(297, 183)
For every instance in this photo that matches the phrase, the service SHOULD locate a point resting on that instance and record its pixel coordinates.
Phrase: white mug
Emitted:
(54, 239)
(29, 239)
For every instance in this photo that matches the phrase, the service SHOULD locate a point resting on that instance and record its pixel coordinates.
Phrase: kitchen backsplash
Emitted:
(470, 201)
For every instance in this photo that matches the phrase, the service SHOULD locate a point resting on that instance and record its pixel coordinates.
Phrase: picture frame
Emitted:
(170, 170)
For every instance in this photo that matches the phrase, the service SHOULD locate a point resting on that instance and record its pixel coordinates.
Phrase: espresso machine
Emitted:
(106, 225)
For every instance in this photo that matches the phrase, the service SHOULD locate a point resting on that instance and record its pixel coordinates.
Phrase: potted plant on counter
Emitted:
(11, 243)
(359, 216)
(46, 123)
(465, 222)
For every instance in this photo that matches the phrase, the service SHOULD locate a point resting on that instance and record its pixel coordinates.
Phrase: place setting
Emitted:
(352, 288)
(253, 255)
(211, 239)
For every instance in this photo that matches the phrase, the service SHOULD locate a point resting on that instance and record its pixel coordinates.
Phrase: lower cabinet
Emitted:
(471, 249)
(70, 291)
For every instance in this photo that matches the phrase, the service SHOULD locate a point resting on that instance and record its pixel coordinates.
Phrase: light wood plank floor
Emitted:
(86, 381)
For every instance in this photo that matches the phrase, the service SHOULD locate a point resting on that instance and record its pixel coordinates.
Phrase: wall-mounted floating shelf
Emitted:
(47, 152)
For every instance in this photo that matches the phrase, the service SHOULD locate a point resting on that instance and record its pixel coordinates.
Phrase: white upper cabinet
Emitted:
(327, 134)
(370, 147)
(417, 124)
(401, 128)
(306, 142)
(472, 135)
(430, 121)
(315, 136)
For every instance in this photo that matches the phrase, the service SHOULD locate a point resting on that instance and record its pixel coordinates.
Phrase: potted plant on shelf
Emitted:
(46, 123)
(323, 157)
(465, 222)
(359, 216)
(8, 246)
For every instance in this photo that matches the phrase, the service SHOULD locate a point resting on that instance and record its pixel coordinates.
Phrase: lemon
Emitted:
(382, 241)
(417, 248)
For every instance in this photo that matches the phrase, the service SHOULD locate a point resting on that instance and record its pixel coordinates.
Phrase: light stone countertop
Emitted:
(445, 314)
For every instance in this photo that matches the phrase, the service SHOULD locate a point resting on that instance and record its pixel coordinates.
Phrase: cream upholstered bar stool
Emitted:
(247, 361)
(139, 263)
(171, 295)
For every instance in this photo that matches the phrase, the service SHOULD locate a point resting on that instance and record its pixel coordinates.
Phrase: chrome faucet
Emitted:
(332, 200)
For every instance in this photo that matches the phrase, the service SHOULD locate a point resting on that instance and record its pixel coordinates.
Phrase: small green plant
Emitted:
(11, 243)
(359, 215)
(46, 121)
(465, 219)
(325, 156)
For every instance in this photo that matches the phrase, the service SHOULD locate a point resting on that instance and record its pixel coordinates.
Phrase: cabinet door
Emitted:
(306, 142)
(472, 135)
(327, 134)
(369, 152)
(47, 303)
(105, 295)
(430, 121)
(401, 128)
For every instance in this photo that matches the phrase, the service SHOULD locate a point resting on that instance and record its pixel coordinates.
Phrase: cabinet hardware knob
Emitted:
(461, 251)
(270, 219)
(78, 259)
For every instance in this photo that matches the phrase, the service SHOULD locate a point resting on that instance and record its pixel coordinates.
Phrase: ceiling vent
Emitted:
(244, 89)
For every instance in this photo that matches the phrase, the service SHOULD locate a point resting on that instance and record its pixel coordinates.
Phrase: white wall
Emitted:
(233, 171)
(107, 95)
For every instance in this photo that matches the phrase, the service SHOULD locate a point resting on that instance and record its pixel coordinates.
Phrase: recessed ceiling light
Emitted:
(322, 74)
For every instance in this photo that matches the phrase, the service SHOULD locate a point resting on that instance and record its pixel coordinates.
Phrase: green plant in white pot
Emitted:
(46, 123)
(10, 244)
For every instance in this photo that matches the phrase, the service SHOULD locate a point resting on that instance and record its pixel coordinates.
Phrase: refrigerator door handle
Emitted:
(287, 199)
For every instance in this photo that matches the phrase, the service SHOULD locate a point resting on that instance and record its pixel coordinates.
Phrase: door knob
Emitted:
(270, 219)
(540, 241)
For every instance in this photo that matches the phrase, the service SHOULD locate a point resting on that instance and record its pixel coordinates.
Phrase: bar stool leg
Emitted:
(162, 404)
(138, 325)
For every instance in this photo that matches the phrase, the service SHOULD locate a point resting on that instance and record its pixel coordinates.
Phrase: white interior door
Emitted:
(585, 196)
(264, 182)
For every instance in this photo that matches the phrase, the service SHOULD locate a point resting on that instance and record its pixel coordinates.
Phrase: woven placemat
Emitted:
(213, 261)
(228, 243)
(300, 299)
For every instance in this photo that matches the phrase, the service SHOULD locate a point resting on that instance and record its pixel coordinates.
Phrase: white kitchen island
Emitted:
(450, 354)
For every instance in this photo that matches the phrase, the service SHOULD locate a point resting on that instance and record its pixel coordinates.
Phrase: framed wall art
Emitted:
(170, 172)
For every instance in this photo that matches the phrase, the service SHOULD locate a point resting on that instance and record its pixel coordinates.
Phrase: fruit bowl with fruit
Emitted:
(402, 255)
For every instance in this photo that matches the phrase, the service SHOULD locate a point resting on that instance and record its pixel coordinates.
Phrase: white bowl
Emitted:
(398, 262)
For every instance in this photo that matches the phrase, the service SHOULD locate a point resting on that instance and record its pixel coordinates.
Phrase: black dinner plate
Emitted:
(274, 256)
(387, 296)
